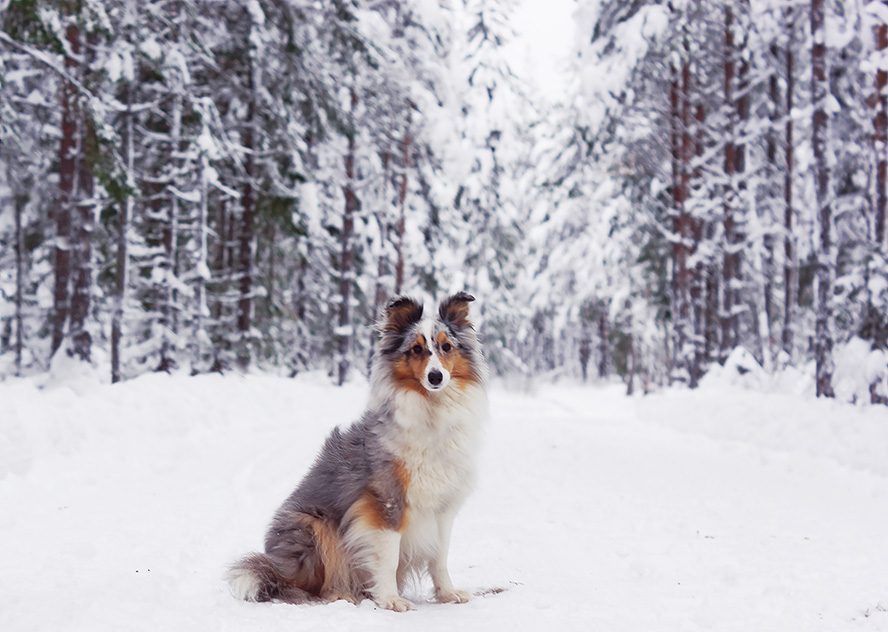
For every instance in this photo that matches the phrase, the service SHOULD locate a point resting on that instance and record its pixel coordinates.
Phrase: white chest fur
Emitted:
(437, 440)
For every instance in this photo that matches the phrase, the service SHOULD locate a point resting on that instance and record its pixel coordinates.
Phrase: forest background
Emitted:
(214, 185)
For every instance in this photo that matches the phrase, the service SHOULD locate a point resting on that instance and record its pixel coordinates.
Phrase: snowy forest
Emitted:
(236, 184)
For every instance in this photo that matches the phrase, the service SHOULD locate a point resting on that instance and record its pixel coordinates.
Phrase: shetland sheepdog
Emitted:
(379, 502)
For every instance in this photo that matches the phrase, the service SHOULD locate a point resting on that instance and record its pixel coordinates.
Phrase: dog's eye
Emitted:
(417, 349)
(446, 347)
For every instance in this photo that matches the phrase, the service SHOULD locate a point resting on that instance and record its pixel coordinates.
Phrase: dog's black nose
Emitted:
(435, 377)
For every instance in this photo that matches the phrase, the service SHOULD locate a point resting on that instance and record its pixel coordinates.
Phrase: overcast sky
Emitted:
(545, 34)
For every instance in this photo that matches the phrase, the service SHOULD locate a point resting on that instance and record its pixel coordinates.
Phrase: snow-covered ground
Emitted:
(722, 509)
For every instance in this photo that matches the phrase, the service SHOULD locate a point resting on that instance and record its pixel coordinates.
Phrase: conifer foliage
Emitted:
(225, 185)
(741, 148)
(214, 185)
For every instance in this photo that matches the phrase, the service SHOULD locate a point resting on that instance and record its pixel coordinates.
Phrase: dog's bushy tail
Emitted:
(258, 577)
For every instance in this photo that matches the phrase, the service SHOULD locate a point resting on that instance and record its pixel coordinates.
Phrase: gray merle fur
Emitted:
(352, 465)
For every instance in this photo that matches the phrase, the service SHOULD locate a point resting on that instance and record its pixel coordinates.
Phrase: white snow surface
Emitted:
(720, 509)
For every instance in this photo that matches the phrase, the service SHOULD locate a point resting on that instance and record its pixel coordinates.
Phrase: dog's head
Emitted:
(428, 355)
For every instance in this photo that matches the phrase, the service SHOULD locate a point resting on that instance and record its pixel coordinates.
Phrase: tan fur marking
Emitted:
(313, 577)
(455, 362)
(403, 476)
(408, 370)
(338, 581)
(372, 511)
(367, 510)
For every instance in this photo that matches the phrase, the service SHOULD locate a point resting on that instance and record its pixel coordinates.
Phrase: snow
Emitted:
(878, 10)
(721, 508)
(151, 48)
(543, 34)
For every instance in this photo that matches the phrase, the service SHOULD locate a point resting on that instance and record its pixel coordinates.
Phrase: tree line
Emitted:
(735, 156)
(208, 185)
(212, 185)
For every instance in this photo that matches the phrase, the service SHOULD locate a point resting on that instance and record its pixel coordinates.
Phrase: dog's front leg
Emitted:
(444, 590)
(382, 564)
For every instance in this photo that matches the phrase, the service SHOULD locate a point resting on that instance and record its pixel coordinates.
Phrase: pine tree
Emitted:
(823, 336)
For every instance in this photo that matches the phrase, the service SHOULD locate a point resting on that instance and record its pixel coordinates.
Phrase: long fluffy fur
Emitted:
(379, 502)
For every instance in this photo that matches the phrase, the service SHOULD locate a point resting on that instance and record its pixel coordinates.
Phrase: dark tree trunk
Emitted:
(735, 158)
(344, 333)
(169, 298)
(402, 200)
(698, 282)
(224, 255)
(881, 139)
(81, 253)
(680, 276)
(382, 264)
(633, 362)
(246, 226)
(823, 342)
(585, 353)
(773, 168)
(19, 202)
(64, 207)
(81, 341)
(711, 323)
(202, 277)
(789, 277)
(126, 210)
(686, 225)
(602, 343)
(245, 236)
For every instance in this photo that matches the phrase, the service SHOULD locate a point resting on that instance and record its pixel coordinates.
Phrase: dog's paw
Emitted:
(395, 603)
(343, 596)
(453, 596)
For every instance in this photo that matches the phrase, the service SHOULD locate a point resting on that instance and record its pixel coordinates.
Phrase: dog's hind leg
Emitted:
(291, 569)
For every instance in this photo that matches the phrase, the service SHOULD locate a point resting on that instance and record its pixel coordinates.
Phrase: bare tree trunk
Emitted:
(698, 281)
(81, 254)
(880, 145)
(734, 164)
(789, 278)
(602, 343)
(382, 263)
(675, 140)
(633, 361)
(585, 352)
(81, 268)
(63, 211)
(224, 255)
(686, 230)
(18, 201)
(169, 309)
(402, 199)
(823, 342)
(246, 227)
(345, 331)
(203, 271)
(881, 138)
(679, 219)
(126, 212)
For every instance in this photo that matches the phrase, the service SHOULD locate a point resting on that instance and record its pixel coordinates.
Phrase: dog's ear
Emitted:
(455, 310)
(399, 314)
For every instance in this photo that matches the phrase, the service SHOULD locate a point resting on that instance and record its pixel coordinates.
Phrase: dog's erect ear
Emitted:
(455, 310)
(397, 316)
(400, 313)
